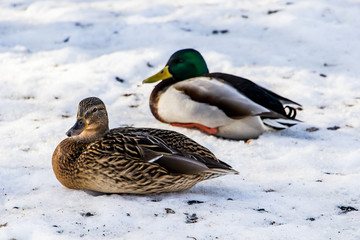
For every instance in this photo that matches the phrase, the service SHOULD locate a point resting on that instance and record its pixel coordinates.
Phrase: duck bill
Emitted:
(163, 74)
(78, 128)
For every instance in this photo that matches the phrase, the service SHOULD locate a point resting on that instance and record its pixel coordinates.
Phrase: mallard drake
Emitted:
(216, 103)
(130, 160)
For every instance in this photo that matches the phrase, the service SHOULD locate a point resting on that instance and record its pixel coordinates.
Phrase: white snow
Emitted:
(291, 182)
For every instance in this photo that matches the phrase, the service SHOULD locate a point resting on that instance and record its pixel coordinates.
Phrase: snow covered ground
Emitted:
(300, 183)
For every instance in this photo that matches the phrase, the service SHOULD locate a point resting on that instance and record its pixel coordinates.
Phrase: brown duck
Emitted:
(130, 160)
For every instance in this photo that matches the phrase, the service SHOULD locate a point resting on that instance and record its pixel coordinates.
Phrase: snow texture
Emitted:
(299, 183)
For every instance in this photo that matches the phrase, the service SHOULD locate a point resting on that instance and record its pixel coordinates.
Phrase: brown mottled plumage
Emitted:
(130, 160)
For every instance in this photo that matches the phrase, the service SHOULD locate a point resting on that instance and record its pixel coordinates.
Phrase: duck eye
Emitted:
(95, 110)
(81, 122)
(180, 60)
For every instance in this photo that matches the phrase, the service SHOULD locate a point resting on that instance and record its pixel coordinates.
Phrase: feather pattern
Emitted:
(135, 160)
(217, 103)
(256, 93)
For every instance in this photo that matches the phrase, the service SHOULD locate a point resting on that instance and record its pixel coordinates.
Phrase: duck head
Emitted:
(183, 64)
(92, 120)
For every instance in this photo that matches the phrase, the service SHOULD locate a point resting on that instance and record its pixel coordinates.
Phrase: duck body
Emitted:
(136, 161)
(217, 103)
(199, 100)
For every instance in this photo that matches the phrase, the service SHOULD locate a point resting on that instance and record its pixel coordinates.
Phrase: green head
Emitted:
(183, 64)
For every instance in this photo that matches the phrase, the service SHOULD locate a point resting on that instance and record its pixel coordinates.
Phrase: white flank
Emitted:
(175, 106)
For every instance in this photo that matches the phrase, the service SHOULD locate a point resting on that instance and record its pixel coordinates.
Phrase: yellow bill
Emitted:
(163, 74)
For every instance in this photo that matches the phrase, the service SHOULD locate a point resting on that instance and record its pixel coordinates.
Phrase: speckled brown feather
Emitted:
(175, 140)
(64, 161)
(115, 163)
(130, 160)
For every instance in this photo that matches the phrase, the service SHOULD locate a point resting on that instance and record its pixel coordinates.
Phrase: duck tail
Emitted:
(218, 172)
(221, 171)
(280, 123)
